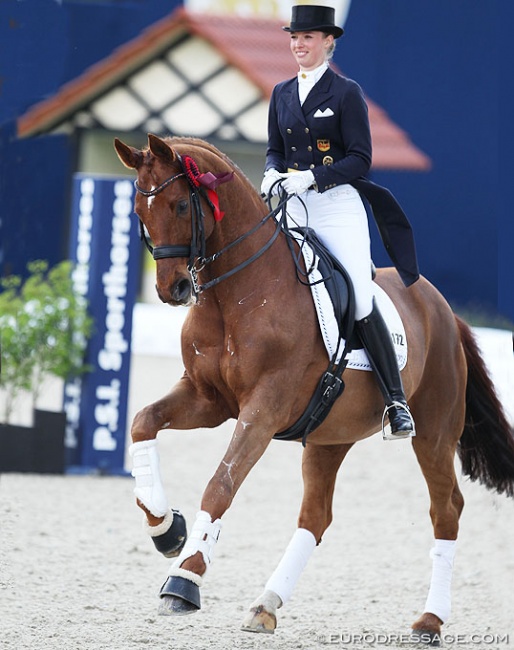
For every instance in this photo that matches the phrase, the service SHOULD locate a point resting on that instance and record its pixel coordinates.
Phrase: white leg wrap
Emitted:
(149, 489)
(203, 538)
(293, 562)
(439, 594)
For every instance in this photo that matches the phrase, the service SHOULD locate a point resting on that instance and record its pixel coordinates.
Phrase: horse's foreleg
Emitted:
(182, 408)
(319, 470)
(180, 593)
(166, 527)
(445, 510)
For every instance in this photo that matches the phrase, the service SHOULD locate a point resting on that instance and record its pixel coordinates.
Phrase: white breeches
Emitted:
(339, 218)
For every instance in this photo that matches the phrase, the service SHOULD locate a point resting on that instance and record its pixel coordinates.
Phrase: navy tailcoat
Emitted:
(330, 135)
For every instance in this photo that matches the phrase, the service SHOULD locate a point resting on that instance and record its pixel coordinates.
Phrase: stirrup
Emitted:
(387, 434)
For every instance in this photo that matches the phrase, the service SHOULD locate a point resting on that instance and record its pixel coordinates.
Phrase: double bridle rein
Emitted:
(196, 250)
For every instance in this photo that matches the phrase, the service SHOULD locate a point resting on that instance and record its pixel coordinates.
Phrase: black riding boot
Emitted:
(376, 338)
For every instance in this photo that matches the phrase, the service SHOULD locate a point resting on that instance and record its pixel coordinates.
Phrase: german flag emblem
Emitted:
(323, 145)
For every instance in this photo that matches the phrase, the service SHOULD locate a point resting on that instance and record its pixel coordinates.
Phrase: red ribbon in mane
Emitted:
(208, 180)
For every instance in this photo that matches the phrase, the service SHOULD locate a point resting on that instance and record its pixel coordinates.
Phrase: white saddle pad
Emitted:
(357, 359)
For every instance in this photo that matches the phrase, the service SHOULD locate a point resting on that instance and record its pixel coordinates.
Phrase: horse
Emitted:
(252, 351)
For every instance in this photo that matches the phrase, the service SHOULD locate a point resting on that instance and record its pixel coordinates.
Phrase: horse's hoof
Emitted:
(175, 606)
(427, 637)
(260, 620)
(428, 630)
(172, 541)
(179, 596)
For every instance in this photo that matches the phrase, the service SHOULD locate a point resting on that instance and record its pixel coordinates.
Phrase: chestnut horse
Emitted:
(252, 351)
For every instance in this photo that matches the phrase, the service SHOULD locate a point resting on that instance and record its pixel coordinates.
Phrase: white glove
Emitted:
(297, 182)
(271, 176)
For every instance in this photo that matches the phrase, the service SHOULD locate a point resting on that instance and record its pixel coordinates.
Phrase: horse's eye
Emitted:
(182, 208)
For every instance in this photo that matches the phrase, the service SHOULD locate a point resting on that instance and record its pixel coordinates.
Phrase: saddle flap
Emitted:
(335, 278)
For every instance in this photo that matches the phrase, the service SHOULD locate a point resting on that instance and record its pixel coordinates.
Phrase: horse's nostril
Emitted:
(182, 290)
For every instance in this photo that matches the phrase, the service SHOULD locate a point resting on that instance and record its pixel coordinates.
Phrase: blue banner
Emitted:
(105, 246)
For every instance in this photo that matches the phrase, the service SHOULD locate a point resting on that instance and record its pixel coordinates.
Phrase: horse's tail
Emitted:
(486, 448)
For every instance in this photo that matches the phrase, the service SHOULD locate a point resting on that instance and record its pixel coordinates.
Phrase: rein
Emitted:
(196, 250)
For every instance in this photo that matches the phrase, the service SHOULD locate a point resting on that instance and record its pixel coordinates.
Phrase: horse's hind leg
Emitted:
(319, 470)
(436, 459)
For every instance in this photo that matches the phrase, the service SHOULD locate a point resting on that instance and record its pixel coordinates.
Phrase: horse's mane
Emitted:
(198, 142)
(188, 141)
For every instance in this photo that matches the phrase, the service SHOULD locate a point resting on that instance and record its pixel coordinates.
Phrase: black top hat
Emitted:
(313, 18)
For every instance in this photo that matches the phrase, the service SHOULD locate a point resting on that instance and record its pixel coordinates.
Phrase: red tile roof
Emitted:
(256, 46)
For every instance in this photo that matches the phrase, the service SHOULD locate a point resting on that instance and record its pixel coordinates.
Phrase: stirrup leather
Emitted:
(386, 429)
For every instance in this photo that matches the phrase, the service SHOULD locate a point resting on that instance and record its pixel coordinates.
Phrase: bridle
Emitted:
(160, 252)
(195, 252)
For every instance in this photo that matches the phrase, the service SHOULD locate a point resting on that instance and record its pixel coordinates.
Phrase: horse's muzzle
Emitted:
(180, 293)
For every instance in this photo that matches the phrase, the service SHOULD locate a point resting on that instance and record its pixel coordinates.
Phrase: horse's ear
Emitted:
(160, 149)
(129, 156)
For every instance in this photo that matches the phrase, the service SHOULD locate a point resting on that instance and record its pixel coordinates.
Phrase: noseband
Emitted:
(170, 251)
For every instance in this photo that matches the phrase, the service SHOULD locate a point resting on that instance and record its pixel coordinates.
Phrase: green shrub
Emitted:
(44, 328)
